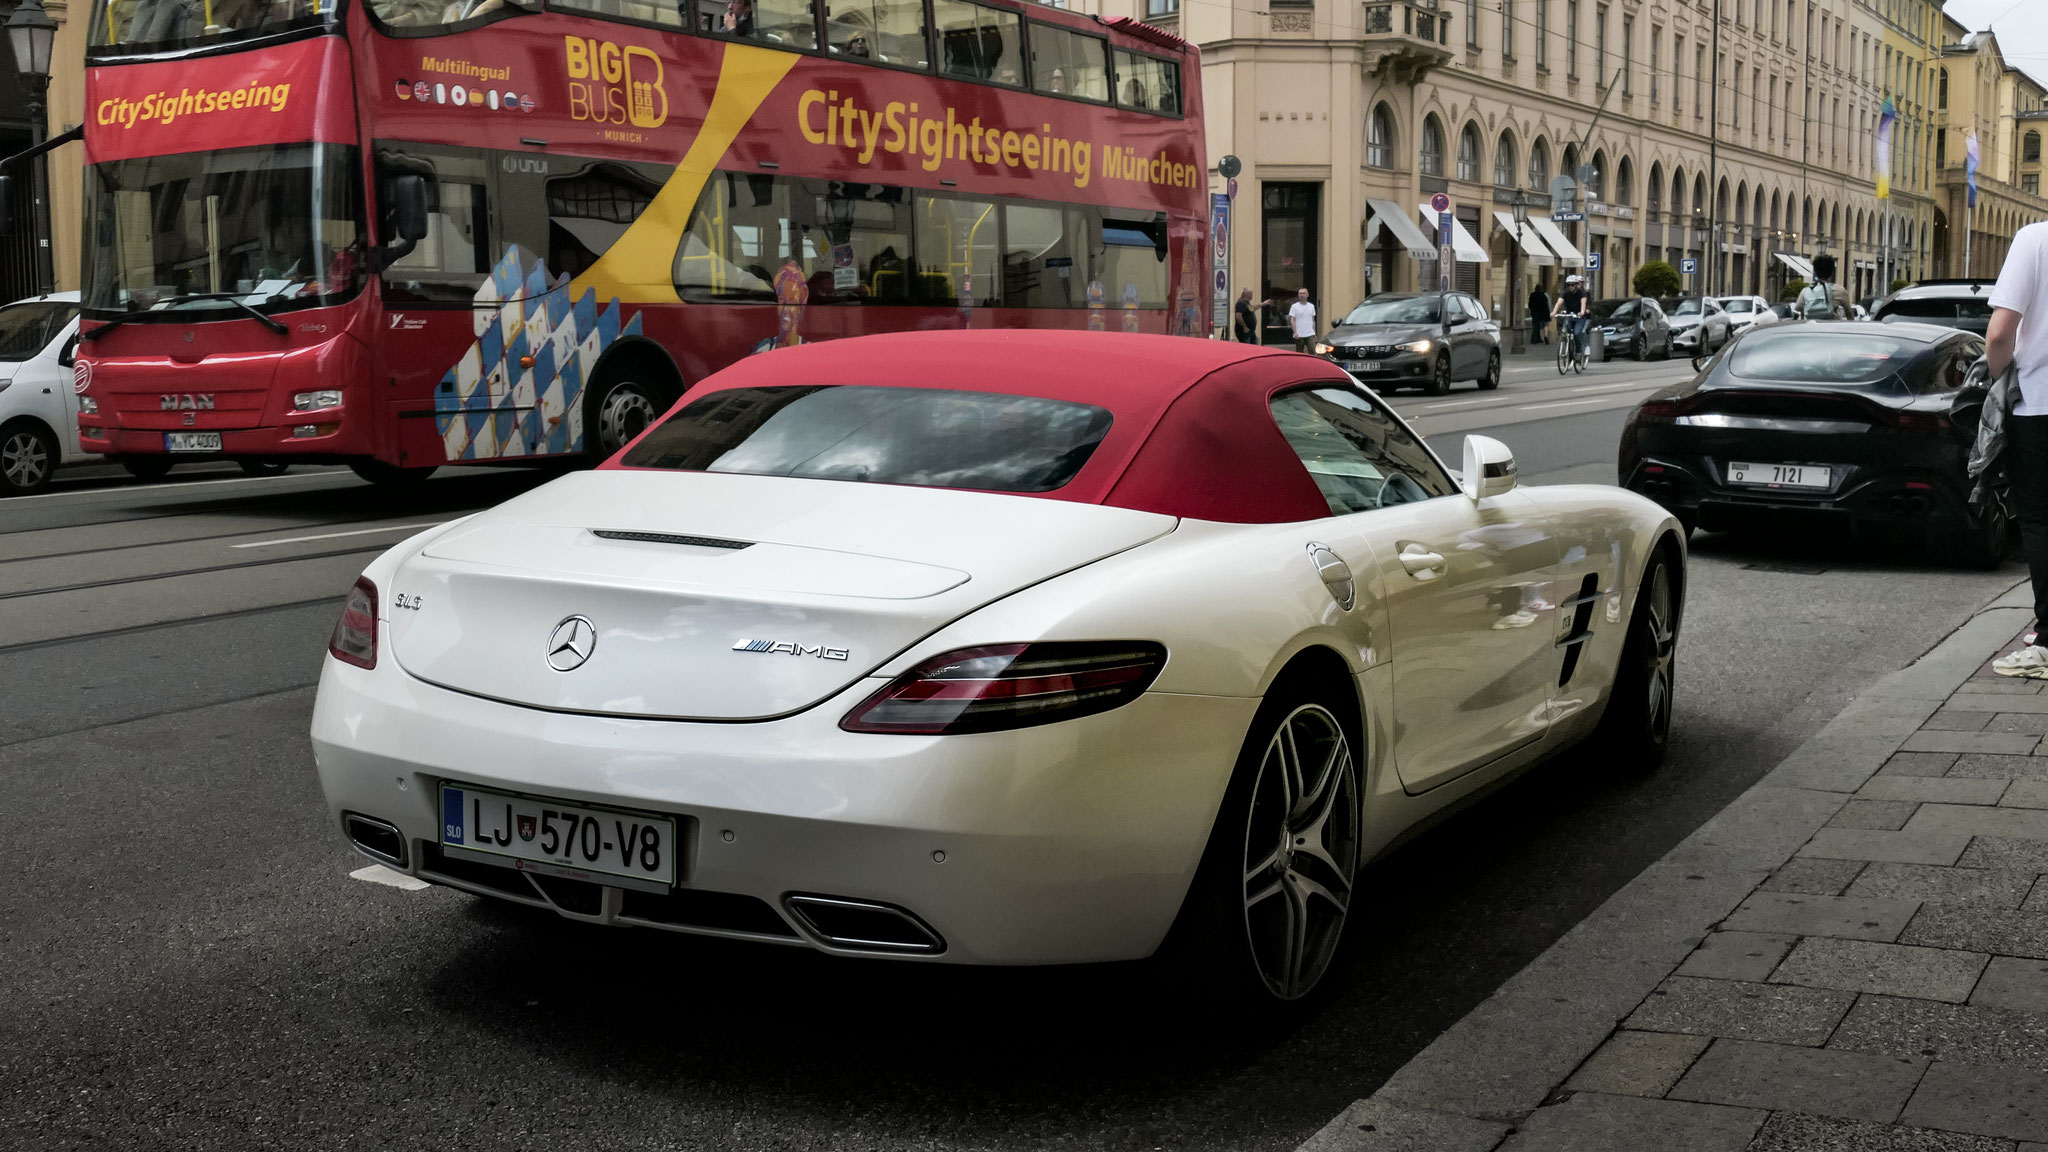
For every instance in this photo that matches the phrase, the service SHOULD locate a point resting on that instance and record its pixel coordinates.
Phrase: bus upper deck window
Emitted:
(885, 31)
(1147, 83)
(784, 23)
(1065, 63)
(979, 43)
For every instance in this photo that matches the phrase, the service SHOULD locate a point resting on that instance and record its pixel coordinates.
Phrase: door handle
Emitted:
(1420, 562)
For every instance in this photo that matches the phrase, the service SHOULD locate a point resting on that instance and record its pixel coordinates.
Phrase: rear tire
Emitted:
(1987, 546)
(1636, 728)
(1491, 380)
(1439, 376)
(28, 458)
(1265, 915)
(147, 467)
(389, 475)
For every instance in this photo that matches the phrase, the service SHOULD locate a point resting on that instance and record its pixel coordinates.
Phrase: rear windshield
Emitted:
(927, 436)
(1940, 309)
(1804, 356)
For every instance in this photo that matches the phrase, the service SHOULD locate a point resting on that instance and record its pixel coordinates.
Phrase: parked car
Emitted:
(1827, 419)
(1745, 312)
(1698, 325)
(1417, 339)
(1784, 310)
(38, 405)
(1632, 326)
(1964, 304)
(993, 647)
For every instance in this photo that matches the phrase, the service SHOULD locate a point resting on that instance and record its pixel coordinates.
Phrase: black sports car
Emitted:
(1829, 419)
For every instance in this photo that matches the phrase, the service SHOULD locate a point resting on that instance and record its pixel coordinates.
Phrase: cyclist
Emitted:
(1575, 306)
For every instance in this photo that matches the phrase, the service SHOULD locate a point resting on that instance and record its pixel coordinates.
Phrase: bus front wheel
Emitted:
(625, 411)
(147, 467)
(389, 475)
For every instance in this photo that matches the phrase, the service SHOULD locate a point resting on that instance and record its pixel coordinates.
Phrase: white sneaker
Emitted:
(2031, 662)
(1522, 618)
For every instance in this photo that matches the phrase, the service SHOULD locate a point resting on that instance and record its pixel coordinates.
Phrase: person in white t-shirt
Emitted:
(1301, 315)
(2018, 338)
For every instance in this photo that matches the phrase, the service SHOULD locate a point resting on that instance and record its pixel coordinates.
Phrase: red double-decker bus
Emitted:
(402, 233)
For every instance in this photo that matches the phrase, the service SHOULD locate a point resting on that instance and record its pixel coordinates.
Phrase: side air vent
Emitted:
(1574, 641)
(669, 538)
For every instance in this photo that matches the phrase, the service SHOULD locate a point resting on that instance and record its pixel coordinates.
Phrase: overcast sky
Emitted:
(2022, 34)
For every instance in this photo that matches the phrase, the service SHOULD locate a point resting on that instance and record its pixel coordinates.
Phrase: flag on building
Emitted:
(1971, 158)
(1887, 116)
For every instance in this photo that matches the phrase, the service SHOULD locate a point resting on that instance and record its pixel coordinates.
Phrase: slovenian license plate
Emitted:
(1785, 475)
(191, 441)
(560, 839)
(1369, 366)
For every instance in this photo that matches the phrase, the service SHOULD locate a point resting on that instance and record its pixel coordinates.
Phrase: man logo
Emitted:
(185, 402)
(571, 644)
(789, 648)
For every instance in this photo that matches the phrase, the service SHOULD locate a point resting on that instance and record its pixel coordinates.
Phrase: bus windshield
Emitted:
(273, 228)
(152, 25)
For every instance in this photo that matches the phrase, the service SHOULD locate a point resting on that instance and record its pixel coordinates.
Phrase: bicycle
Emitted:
(1571, 350)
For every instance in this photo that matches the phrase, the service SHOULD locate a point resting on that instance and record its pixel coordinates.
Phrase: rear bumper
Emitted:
(1903, 500)
(1071, 842)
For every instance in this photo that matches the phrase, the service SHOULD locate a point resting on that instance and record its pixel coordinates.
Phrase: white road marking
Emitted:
(379, 874)
(125, 488)
(1616, 387)
(1564, 403)
(1464, 403)
(338, 535)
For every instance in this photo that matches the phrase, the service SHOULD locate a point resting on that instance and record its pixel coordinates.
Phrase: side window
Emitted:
(867, 238)
(885, 31)
(740, 240)
(784, 23)
(1042, 246)
(977, 43)
(1130, 261)
(958, 251)
(1065, 63)
(454, 259)
(589, 210)
(1147, 83)
(1359, 457)
(645, 11)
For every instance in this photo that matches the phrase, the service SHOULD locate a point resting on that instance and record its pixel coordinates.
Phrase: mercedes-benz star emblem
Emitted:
(571, 643)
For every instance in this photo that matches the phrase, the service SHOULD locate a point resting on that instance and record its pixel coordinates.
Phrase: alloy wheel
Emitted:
(625, 413)
(1301, 850)
(24, 460)
(1662, 645)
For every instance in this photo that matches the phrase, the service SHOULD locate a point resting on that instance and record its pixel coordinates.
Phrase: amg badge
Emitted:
(789, 648)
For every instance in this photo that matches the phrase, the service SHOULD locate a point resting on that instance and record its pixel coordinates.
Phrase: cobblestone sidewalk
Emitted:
(1853, 956)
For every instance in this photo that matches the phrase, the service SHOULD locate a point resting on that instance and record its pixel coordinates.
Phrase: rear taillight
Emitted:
(1918, 421)
(1004, 686)
(1665, 409)
(355, 634)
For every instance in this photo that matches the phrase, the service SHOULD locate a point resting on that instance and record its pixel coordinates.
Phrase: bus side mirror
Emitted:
(409, 206)
(6, 206)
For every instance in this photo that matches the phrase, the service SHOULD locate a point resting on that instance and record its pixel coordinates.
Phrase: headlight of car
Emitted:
(1325, 349)
(1413, 346)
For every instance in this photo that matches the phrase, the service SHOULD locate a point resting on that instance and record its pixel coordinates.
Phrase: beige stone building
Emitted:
(1978, 93)
(1737, 133)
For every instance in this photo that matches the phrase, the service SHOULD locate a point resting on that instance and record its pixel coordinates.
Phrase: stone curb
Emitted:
(1488, 1072)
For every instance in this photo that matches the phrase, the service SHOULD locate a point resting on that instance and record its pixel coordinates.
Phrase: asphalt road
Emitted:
(186, 962)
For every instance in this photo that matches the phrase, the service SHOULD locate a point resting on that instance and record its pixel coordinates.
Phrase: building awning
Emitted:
(1387, 214)
(1532, 245)
(1554, 236)
(1795, 263)
(1468, 250)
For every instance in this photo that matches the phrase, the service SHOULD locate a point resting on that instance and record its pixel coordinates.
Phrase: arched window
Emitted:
(2030, 147)
(1625, 183)
(1776, 203)
(1654, 191)
(1468, 153)
(1699, 193)
(1941, 97)
(1539, 167)
(1596, 188)
(1432, 146)
(1504, 161)
(1379, 138)
(1678, 191)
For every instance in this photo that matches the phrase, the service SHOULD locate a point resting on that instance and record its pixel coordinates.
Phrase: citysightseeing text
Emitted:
(164, 107)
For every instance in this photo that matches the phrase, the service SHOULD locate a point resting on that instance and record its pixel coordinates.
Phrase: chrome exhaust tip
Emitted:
(379, 840)
(863, 926)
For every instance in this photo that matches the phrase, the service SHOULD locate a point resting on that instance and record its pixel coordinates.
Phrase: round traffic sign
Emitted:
(1440, 203)
(1229, 166)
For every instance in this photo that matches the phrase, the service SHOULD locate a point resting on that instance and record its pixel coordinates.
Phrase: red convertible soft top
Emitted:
(1192, 434)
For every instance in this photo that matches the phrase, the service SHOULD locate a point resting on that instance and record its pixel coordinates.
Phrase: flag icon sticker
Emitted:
(404, 89)
(422, 91)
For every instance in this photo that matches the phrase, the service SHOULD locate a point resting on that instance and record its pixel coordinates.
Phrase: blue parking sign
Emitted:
(1688, 266)
(1592, 261)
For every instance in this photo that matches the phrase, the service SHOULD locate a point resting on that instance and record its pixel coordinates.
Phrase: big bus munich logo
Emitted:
(614, 83)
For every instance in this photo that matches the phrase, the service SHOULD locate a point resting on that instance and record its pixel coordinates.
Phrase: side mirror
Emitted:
(409, 206)
(1489, 468)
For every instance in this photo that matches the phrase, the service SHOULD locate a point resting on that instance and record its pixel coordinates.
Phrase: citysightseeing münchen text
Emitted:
(164, 107)
(899, 129)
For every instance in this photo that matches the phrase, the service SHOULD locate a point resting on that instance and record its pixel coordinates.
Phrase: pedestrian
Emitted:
(2017, 341)
(1817, 301)
(1539, 313)
(1248, 317)
(1301, 316)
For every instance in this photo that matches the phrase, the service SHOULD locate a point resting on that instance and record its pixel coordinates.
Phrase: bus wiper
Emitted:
(235, 298)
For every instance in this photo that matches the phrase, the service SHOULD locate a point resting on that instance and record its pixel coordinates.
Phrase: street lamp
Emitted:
(32, 33)
(1699, 244)
(1517, 337)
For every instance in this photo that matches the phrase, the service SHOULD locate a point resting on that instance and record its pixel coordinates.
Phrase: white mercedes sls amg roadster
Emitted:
(994, 647)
